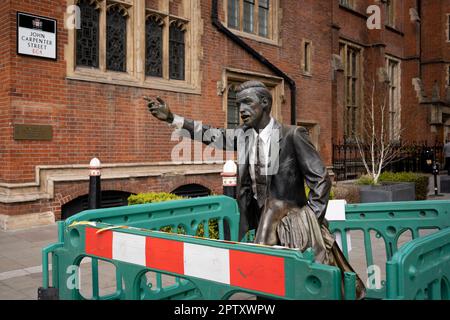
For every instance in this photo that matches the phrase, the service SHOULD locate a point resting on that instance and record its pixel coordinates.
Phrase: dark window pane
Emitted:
(87, 36)
(248, 15)
(263, 15)
(233, 14)
(264, 4)
(448, 36)
(176, 51)
(232, 110)
(116, 39)
(153, 35)
(448, 74)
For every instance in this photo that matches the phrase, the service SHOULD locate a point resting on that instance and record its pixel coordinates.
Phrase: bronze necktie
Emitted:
(260, 176)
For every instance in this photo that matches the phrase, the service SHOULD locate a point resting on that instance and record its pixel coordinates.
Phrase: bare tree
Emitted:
(375, 143)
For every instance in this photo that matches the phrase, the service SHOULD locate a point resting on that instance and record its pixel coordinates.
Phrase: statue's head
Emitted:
(255, 104)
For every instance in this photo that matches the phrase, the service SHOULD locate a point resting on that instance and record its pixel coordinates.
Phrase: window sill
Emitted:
(353, 11)
(307, 74)
(125, 79)
(394, 29)
(254, 37)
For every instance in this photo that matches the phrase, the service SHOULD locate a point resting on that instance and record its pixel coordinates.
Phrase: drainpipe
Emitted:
(259, 57)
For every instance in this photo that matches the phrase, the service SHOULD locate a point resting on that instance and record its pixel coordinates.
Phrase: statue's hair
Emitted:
(260, 88)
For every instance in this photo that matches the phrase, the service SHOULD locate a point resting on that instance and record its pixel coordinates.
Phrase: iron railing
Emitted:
(414, 157)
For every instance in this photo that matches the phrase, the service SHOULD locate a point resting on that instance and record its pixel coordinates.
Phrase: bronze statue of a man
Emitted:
(274, 163)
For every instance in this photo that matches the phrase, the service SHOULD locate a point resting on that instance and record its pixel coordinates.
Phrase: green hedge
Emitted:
(153, 197)
(420, 181)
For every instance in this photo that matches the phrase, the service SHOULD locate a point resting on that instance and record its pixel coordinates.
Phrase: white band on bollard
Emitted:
(94, 168)
(229, 181)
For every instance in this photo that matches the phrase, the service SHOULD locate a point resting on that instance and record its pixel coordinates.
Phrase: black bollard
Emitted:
(435, 174)
(229, 184)
(95, 189)
(229, 179)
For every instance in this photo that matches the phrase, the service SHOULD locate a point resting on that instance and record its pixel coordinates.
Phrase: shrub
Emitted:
(153, 197)
(365, 180)
(348, 192)
(420, 181)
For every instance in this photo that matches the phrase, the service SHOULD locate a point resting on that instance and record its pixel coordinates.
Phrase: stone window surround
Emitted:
(309, 57)
(390, 4)
(313, 128)
(347, 3)
(399, 88)
(447, 28)
(346, 44)
(135, 75)
(273, 83)
(274, 24)
(447, 78)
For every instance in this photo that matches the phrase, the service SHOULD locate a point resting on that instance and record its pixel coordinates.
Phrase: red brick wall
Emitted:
(5, 69)
(112, 123)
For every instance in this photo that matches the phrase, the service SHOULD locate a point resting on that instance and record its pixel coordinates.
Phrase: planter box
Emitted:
(388, 192)
(445, 184)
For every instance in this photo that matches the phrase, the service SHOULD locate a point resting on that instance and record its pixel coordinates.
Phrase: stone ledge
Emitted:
(47, 176)
(26, 221)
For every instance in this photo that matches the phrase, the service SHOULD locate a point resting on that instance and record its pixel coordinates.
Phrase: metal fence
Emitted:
(415, 157)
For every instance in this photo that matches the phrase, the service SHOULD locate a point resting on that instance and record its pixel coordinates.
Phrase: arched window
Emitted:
(116, 38)
(192, 191)
(153, 37)
(87, 50)
(109, 199)
(176, 50)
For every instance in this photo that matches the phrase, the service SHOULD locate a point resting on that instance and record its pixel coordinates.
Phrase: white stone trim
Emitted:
(46, 176)
(25, 221)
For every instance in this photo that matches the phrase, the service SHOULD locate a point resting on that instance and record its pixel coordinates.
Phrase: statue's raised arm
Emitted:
(159, 109)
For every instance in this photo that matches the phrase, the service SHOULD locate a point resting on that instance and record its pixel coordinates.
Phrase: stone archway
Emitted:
(192, 190)
(110, 198)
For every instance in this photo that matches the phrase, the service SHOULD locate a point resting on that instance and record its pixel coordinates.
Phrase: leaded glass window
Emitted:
(87, 48)
(393, 70)
(232, 109)
(248, 15)
(116, 38)
(154, 53)
(251, 16)
(352, 60)
(233, 13)
(390, 12)
(263, 15)
(176, 50)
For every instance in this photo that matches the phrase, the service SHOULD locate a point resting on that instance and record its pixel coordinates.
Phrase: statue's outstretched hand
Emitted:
(159, 109)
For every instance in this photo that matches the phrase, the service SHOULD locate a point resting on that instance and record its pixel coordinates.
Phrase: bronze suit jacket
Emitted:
(298, 162)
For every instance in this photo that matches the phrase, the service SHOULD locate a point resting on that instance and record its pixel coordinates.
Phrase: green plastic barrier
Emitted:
(389, 221)
(188, 214)
(303, 279)
(206, 269)
(421, 269)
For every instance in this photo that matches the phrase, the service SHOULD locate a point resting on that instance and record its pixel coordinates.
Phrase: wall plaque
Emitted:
(33, 132)
(36, 36)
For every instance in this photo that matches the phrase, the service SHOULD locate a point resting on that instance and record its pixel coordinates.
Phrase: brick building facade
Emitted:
(91, 95)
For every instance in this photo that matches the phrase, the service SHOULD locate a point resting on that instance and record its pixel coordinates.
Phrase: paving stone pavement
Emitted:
(21, 270)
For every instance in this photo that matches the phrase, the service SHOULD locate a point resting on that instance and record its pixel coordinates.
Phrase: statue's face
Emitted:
(250, 107)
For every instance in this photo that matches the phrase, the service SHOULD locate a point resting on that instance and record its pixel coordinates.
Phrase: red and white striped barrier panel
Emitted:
(254, 271)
